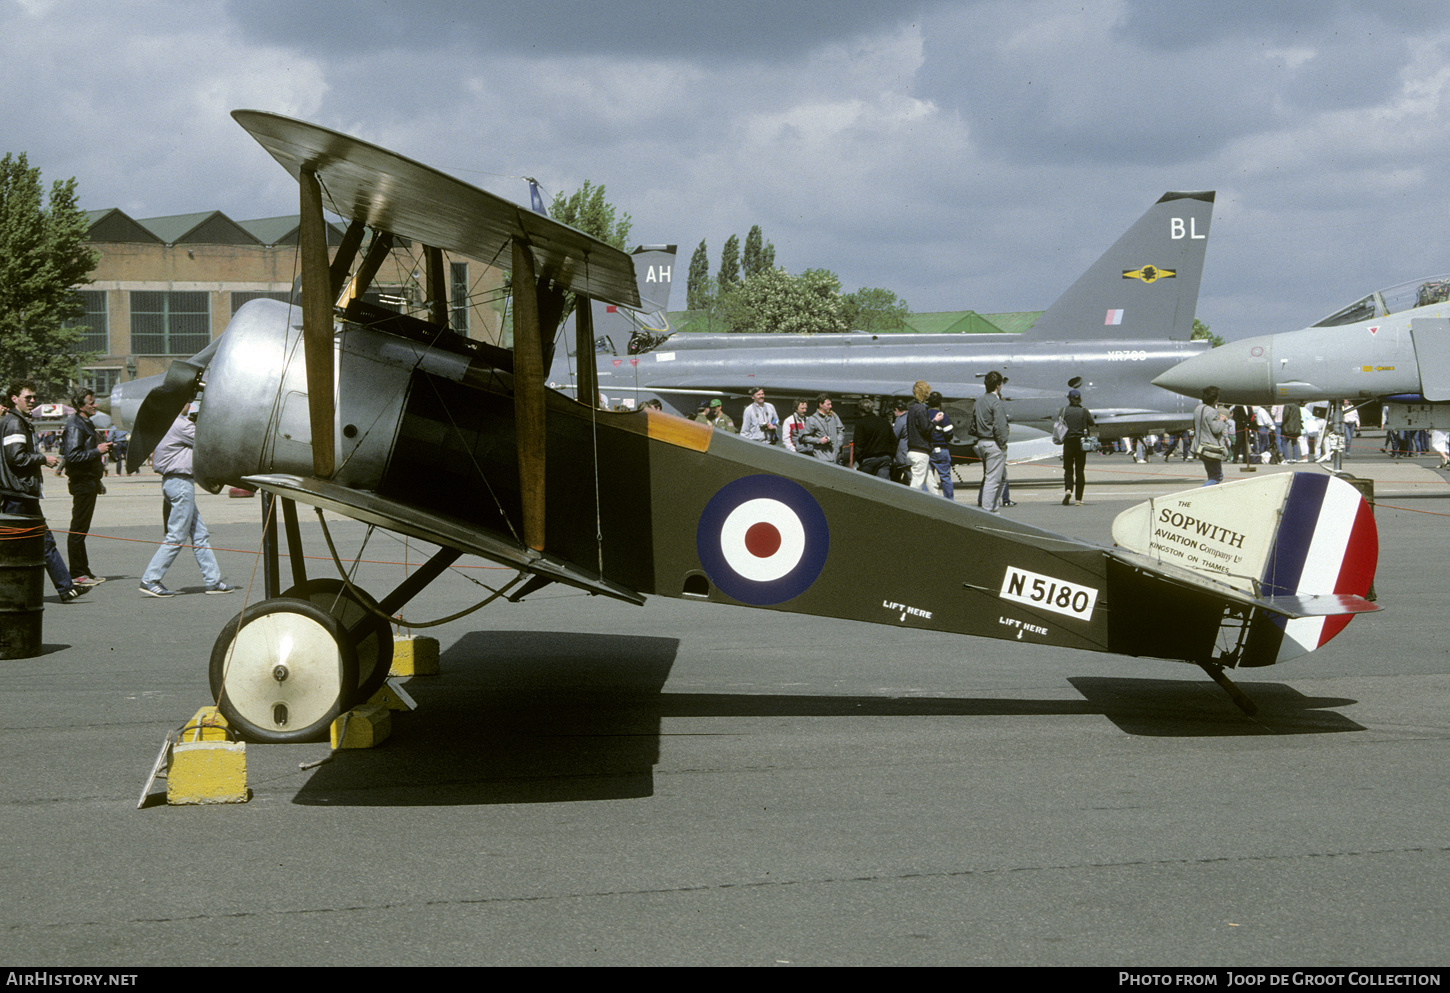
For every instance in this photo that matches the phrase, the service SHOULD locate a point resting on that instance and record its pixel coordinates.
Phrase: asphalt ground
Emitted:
(589, 783)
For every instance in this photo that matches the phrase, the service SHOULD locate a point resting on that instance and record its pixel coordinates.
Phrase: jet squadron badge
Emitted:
(1149, 273)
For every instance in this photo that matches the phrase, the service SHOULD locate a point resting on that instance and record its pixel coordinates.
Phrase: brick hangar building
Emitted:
(166, 286)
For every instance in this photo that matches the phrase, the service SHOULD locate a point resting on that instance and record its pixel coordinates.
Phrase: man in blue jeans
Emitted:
(184, 525)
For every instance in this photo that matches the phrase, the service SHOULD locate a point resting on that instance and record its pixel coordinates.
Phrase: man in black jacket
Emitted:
(20, 479)
(85, 464)
(874, 440)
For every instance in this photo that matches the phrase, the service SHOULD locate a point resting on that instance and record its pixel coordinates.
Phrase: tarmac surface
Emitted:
(590, 783)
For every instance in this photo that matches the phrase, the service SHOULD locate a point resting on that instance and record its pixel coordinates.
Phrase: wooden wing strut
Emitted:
(317, 300)
(529, 394)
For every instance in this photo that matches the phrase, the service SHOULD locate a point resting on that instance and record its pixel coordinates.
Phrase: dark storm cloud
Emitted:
(961, 154)
(1177, 26)
(725, 30)
(1158, 83)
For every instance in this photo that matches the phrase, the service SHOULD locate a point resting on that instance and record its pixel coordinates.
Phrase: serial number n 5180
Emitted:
(1049, 593)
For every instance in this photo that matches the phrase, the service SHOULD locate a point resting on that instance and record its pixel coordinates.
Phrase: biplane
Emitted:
(345, 407)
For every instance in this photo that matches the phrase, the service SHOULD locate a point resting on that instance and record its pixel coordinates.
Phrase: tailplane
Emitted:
(1302, 545)
(1146, 285)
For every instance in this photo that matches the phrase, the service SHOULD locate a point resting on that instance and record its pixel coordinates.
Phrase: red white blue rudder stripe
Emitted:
(762, 540)
(1326, 543)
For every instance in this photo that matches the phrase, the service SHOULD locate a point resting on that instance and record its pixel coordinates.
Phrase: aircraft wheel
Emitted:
(283, 671)
(371, 636)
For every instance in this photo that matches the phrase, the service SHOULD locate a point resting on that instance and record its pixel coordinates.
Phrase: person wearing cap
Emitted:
(716, 417)
(184, 526)
(1079, 421)
(989, 417)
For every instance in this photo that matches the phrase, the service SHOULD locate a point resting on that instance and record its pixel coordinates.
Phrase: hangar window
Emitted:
(93, 324)
(240, 297)
(169, 322)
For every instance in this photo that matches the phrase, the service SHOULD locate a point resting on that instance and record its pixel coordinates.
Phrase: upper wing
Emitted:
(392, 193)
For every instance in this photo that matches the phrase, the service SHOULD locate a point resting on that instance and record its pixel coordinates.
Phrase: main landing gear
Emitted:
(284, 669)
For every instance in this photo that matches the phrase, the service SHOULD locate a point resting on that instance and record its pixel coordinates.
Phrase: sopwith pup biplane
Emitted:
(349, 409)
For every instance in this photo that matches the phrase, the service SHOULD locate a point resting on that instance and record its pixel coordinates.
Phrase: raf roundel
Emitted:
(762, 540)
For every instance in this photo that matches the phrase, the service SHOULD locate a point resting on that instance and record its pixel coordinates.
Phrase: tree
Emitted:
(759, 254)
(43, 257)
(774, 301)
(1201, 333)
(870, 309)
(697, 290)
(730, 264)
(588, 211)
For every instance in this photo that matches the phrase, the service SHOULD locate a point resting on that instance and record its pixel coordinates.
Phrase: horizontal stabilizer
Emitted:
(1322, 605)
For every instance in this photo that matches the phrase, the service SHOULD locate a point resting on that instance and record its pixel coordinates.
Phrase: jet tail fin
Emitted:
(1146, 285)
(1303, 545)
(616, 328)
(654, 271)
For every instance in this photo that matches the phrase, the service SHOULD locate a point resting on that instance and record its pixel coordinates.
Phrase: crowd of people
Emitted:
(1288, 433)
(904, 440)
(908, 440)
(83, 460)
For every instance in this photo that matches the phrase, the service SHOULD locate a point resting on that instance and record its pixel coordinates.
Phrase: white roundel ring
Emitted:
(762, 540)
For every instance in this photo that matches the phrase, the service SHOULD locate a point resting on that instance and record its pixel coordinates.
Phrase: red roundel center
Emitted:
(762, 539)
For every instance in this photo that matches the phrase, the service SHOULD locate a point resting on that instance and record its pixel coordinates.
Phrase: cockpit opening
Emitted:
(1405, 296)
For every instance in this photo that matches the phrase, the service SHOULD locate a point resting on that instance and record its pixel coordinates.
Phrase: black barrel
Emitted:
(22, 582)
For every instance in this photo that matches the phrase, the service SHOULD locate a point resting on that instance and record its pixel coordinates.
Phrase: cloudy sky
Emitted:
(962, 154)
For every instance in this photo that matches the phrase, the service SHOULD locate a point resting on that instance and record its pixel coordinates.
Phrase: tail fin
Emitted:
(654, 272)
(1304, 545)
(1146, 285)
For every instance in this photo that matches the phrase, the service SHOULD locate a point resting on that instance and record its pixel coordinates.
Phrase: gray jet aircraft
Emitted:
(1392, 344)
(1128, 319)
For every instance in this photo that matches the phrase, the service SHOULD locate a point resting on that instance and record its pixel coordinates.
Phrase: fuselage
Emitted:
(1401, 352)
(1115, 377)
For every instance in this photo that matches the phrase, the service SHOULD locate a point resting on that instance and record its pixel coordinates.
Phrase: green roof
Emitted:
(284, 230)
(113, 225)
(210, 227)
(1015, 323)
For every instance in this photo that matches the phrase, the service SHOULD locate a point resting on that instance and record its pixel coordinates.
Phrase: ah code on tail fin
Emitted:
(1303, 544)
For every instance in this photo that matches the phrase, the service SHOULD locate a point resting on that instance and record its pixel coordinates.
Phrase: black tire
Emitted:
(302, 642)
(371, 635)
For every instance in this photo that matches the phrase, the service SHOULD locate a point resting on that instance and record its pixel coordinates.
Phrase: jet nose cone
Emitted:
(1242, 371)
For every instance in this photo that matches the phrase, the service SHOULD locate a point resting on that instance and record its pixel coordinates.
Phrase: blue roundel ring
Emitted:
(762, 540)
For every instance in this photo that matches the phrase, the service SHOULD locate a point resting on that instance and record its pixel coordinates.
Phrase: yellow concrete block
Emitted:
(207, 772)
(362, 727)
(414, 656)
(207, 725)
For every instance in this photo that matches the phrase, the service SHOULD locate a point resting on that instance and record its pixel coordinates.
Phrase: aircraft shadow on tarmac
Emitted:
(1176, 708)
(541, 717)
